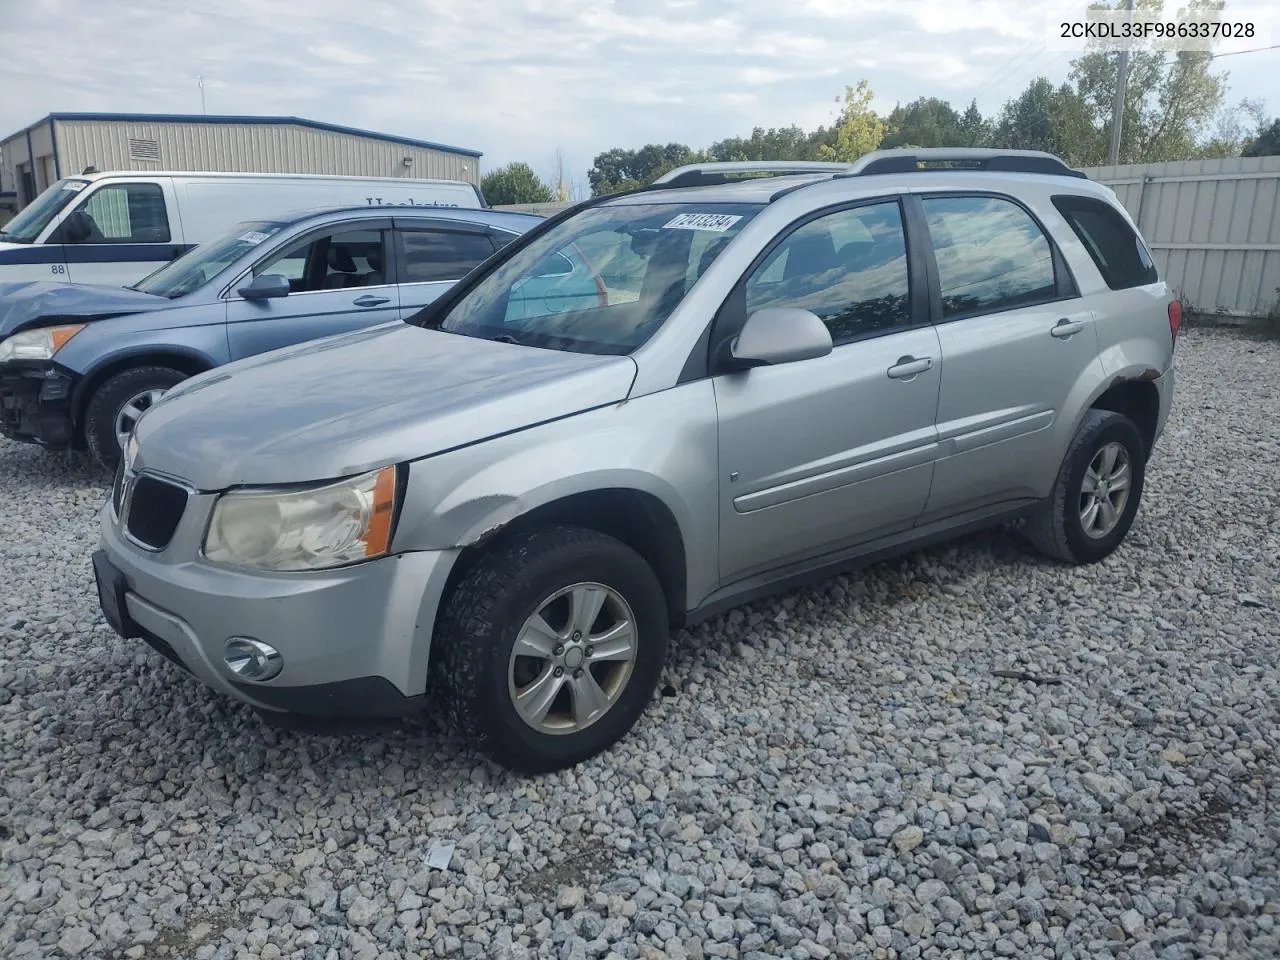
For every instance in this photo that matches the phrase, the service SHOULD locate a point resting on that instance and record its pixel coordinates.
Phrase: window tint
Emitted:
(428, 255)
(991, 255)
(501, 238)
(337, 261)
(1119, 254)
(850, 268)
(126, 213)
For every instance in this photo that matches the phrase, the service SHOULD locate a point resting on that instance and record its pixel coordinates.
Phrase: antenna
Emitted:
(200, 83)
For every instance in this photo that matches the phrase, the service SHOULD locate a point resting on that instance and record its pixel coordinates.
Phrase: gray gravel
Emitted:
(835, 773)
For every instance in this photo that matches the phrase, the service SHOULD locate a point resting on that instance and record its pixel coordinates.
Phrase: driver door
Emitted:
(822, 454)
(337, 283)
(119, 233)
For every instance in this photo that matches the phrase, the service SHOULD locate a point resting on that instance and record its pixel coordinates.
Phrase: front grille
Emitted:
(154, 509)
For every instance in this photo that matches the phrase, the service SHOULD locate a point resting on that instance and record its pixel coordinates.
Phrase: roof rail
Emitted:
(917, 160)
(712, 172)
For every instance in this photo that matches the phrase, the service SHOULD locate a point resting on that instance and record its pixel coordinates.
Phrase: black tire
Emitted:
(110, 398)
(1056, 529)
(475, 636)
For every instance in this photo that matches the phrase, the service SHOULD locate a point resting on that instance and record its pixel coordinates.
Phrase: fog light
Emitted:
(252, 659)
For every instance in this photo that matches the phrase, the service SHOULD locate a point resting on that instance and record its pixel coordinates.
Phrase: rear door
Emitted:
(433, 255)
(120, 232)
(338, 282)
(1018, 345)
(823, 454)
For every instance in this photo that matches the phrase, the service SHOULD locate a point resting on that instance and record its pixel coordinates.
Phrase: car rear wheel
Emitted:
(1097, 493)
(551, 646)
(116, 406)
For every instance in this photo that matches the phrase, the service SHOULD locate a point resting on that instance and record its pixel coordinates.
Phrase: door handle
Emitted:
(1066, 328)
(369, 300)
(907, 367)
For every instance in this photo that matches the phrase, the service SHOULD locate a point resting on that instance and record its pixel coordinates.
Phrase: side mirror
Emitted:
(780, 335)
(265, 286)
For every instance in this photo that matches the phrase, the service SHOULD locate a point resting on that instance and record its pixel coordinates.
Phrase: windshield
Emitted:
(603, 281)
(197, 267)
(35, 216)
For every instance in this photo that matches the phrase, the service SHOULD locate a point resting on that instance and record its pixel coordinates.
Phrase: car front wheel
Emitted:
(116, 406)
(550, 647)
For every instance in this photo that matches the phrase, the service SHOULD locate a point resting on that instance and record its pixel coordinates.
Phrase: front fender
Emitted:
(106, 344)
(662, 444)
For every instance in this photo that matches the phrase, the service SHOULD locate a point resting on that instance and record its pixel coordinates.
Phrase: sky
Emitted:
(523, 79)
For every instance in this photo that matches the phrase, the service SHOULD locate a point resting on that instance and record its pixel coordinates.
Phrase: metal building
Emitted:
(65, 144)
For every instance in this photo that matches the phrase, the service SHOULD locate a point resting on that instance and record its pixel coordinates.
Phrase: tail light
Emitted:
(1175, 318)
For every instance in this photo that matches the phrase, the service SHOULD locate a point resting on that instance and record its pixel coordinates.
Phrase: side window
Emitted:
(431, 255)
(1121, 257)
(501, 238)
(334, 261)
(991, 255)
(849, 268)
(124, 213)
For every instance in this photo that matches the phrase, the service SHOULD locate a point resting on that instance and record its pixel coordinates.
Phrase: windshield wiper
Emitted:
(508, 338)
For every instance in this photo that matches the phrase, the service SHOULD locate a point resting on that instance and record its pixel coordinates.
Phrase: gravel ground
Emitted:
(835, 773)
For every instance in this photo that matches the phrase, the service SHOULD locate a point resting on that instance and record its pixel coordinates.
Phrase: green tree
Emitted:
(1266, 143)
(858, 130)
(514, 183)
(780, 143)
(1171, 98)
(1056, 120)
(1235, 130)
(616, 170)
(924, 122)
(974, 128)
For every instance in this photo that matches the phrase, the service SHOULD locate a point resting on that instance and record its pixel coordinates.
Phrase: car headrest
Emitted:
(340, 260)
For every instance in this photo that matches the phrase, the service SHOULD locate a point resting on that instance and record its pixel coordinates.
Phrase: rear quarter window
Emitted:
(1117, 251)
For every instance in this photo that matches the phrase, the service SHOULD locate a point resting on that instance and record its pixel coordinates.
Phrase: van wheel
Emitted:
(116, 405)
(1097, 492)
(551, 646)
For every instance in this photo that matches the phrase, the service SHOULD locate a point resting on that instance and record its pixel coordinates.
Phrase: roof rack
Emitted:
(713, 172)
(924, 159)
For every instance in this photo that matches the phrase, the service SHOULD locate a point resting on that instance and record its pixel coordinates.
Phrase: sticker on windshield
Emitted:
(253, 236)
(75, 186)
(715, 222)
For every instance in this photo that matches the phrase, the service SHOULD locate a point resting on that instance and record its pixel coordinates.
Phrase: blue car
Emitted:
(79, 364)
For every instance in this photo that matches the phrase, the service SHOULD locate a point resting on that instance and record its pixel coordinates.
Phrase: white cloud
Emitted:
(519, 78)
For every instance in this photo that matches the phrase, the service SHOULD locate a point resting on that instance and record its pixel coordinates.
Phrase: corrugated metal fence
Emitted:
(1213, 227)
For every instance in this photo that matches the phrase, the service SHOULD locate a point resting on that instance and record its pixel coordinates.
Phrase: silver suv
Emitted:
(509, 501)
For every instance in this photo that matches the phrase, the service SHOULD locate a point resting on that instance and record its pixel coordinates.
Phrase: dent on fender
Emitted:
(464, 525)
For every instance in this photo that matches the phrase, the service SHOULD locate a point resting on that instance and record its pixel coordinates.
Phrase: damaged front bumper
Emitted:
(35, 402)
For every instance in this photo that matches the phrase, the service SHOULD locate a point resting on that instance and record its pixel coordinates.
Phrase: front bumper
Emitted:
(354, 641)
(35, 402)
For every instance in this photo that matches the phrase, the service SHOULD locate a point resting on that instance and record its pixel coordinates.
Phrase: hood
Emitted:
(350, 403)
(38, 303)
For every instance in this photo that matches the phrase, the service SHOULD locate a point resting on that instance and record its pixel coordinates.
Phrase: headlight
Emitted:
(39, 344)
(313, 529)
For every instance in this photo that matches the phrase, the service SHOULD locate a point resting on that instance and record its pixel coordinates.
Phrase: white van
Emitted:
(115, 228)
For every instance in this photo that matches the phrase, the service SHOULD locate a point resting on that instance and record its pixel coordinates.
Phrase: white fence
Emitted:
(1213, 227)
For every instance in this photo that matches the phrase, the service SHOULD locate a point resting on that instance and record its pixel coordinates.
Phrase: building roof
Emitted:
(264, 121)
